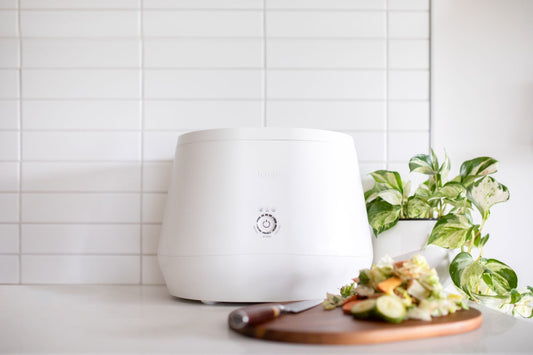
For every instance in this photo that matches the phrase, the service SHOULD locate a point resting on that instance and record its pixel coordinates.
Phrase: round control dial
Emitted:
(266, 223)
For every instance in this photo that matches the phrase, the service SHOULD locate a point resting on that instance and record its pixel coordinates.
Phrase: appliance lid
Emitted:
(265, 134)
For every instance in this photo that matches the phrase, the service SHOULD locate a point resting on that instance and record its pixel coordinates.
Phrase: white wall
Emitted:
(482, 104)
(93, 94)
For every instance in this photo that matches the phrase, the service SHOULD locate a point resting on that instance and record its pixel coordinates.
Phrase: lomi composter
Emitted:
(263, 214)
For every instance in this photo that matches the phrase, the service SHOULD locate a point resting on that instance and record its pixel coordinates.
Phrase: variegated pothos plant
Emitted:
(453, 203)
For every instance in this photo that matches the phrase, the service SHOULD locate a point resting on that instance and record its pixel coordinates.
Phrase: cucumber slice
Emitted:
(390, 308)
(364, 309)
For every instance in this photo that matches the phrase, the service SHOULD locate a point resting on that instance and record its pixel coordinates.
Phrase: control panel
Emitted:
(266, 223)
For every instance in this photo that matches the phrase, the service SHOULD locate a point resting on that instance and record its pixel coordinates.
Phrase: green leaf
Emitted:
(480, 242)
(461, 205)
(471, 278)
(516, 296)
(364, 277)
(391, 179)
(457, 266)
(450, 231)
(466, 273)
(421, 163)
(347, 290)
(477, 167)
(406, 190)
(524, 308)
(423, 192)
(498, 276)
(495, 283)
(522, 302)
(493, 301)
(372, 194)
(483, 241)
(473, 231)
(485, 193)
(434, 161)
(456, 179)
(445, 167)
(394, 197)
(382, 216)
(417, 207)
(450, 190)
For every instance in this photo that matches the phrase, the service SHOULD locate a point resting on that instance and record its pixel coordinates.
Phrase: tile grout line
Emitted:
(56, 222)
(19, 30)
(387, 84)
(141, 102)
(81, 253)
(216, 9)
(430, 77)
(221, 68)
(264, 115)
(221, 9)
(202, 99)
(218, 38)
(168, 130)
(197, 99)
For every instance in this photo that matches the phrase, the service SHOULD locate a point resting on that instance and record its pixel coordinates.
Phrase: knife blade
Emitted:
(243, 317)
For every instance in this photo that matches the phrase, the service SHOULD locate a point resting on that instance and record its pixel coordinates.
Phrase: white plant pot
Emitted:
(410, 237)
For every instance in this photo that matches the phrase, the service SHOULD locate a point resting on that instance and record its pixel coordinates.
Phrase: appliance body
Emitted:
(263, 214)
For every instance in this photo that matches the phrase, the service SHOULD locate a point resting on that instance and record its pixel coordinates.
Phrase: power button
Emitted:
(266, 223)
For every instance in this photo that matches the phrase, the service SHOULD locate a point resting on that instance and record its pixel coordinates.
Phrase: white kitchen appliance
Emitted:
(263, 214)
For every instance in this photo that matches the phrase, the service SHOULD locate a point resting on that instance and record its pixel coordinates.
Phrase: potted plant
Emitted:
(456, 211)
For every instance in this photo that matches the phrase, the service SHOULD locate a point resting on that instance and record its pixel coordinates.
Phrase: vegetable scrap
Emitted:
(395, 291)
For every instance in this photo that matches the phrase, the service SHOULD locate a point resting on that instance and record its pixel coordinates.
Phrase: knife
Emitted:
(240, 318)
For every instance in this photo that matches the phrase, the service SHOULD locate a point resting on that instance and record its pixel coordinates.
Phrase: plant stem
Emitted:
(441, 209)
(471, 244)
(480, 253)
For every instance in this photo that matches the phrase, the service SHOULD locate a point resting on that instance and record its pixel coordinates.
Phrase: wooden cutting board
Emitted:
(319, 326)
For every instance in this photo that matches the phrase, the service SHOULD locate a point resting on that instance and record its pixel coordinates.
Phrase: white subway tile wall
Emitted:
(94, 93)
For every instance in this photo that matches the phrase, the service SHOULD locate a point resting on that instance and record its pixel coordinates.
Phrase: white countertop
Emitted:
(147, 320)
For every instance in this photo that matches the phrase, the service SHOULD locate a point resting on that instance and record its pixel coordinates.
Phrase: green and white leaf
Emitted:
(394, 197)
(391, 179)
(477, 167)
(457, 266)
(421, 163)
(487, 192)
(466, 273)
(406, 190)
(518, 302)
(382, 216)
(516, 296)
(445, 167)
(372, 194)
(434, 161)
(417, 208)
(450, 190)
(461, 205)
(480, 241)
(450, 231)
(501, 303)
(423, 192)
(523, 306)
(499, 277)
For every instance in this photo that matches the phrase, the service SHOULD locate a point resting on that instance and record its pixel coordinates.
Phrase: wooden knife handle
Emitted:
(240, 318)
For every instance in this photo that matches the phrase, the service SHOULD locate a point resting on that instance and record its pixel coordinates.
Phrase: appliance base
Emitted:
(258, 277)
